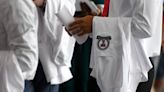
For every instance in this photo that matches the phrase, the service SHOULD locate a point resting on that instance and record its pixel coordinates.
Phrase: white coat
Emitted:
(18, 44)
(123, 43)
(55, 45)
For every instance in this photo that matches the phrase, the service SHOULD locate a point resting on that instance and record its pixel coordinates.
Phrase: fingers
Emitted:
(81, 33)
(77, 21)
(75, 27)
(81, 26)
(76, 31)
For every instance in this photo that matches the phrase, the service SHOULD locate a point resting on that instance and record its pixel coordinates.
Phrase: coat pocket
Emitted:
(108, 72)
(108, 63)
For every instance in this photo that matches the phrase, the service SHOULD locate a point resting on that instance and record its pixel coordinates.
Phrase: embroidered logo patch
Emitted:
(103, 42)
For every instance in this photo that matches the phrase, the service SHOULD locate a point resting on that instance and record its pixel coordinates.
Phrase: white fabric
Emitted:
(131, 25)
(10, 73)
(66, 18)
(18, 44)
(18, 32)
(55, 45)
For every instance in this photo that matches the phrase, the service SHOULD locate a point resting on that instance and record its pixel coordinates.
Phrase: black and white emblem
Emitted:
(103, 42)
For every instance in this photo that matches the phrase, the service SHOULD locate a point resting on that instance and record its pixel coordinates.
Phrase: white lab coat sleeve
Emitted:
(144, 16)
(56, 46)
(66, 50)
(70, 4)
(54, 6)
(21, 27)
(63, 43)
(51, 20)
(156, 21)
(67, 42)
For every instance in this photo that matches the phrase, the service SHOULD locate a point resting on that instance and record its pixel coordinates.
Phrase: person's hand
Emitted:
(39, 3)
(81, 26)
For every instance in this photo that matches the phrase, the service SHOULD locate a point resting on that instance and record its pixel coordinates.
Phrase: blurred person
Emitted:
(18, 44)
(123, 42)
(55, 47)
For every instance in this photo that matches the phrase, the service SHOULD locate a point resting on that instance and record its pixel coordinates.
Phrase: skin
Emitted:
(81, 26)
(39, 3)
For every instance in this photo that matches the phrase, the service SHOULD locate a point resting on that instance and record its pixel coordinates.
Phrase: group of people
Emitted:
(39, 54)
